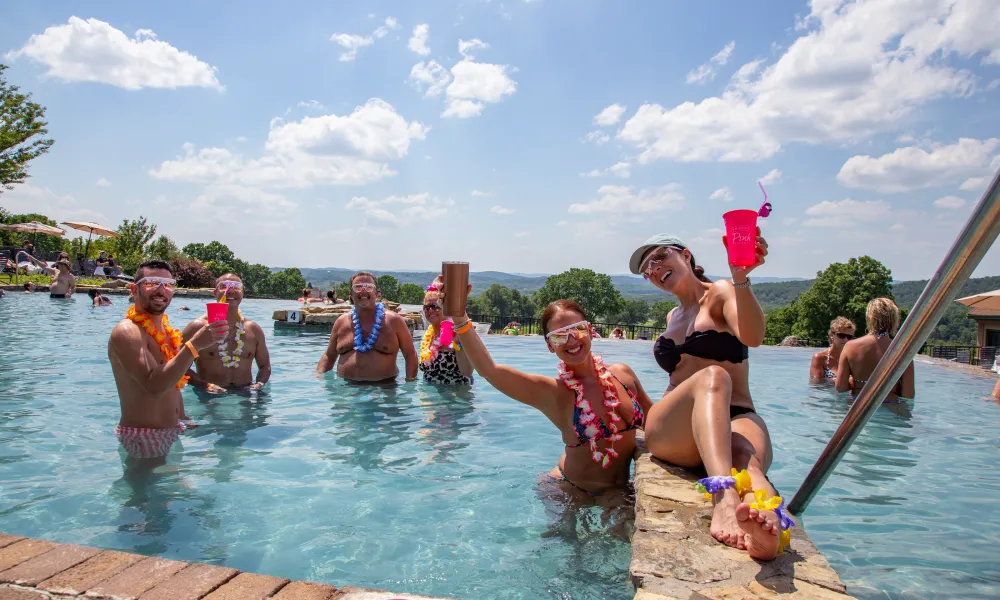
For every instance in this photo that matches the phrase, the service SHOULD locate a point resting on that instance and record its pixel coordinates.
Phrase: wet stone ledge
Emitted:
(39, 570)
(675, 558)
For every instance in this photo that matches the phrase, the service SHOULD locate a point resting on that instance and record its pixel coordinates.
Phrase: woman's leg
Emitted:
(690, 427)
(752, 451)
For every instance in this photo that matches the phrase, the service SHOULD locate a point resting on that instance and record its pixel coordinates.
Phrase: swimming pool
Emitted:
(412, 490)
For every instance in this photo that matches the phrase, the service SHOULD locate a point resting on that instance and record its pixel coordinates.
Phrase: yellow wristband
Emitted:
(190, 346)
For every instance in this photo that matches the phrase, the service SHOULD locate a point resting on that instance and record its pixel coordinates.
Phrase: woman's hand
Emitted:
(740, 274)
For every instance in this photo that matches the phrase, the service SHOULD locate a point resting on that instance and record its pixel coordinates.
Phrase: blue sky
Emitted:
(520, 136)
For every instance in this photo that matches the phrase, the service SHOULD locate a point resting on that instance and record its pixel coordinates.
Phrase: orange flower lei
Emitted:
(169, 350)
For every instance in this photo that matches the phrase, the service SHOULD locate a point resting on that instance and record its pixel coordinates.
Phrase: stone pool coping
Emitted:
(37, 570)
(675, 558)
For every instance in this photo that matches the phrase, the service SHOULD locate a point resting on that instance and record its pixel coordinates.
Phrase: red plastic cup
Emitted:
(741, 237)
(217, 311)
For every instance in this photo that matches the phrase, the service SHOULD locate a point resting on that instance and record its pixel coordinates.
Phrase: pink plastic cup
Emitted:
(217, 311)
(447, 332)
(741, 237)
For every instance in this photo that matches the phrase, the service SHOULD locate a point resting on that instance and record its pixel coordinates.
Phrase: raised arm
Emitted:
(189, 332)
(534, 390)
(128, 348)
(741, 310)
(405, 339)
(261, 355)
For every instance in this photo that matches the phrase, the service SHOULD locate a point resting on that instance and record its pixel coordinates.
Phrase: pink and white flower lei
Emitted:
(590, 420)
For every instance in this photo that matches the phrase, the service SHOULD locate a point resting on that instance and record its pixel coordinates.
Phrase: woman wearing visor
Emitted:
(706, 419)
(596, 407)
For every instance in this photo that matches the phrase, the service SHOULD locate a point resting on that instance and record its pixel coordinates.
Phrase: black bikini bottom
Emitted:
(735, 411)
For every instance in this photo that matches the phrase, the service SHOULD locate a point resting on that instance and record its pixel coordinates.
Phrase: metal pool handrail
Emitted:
(972, 243)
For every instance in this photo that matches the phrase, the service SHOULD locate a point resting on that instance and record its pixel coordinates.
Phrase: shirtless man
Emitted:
(371, 360)
(234, 368)
(149, 375)
(64, 284)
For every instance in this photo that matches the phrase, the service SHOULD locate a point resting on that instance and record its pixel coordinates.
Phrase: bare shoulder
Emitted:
(343, 322)
(821, 355)
(394, 318)
(125, 329)
(623, 371)
(722, 289)
(253, 326)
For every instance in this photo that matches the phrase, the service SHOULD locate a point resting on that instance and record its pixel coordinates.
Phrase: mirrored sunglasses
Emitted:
(149, 284)
(654, 259)
(560, 337)
(225, 285)
(434, 306)
(358, 287)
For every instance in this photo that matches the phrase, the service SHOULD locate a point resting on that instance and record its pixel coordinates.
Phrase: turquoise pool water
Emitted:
(412, 490)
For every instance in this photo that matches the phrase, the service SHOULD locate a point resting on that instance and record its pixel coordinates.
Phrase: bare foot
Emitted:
(725, 526)
(761, 529)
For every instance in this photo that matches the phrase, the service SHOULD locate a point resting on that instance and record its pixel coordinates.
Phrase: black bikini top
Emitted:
(714, 345)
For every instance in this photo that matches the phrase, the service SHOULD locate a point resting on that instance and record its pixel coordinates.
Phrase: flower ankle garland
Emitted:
(365, 345)
(590, 420)
(431, 345)
(741, 481)
(232, 361)
(170, 349)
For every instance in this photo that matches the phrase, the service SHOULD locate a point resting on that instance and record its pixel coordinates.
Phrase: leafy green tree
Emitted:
(389, 287)
(255, 279)
(132, 244)
(212, 251)
(22, 131)
(78, 246)
(164, 248)
(594, 291)
(286, 284)
(780, 322)
(410, 293)
(632, 312)
(843, 289)
(659, 311)
(501, 300)
(343, 289)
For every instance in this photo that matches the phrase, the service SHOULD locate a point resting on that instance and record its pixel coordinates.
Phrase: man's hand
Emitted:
(212, 334)
(215, 389)
(256, 386)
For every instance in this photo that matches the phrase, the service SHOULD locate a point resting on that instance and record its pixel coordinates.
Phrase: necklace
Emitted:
(880, 334)
(364, 345)
(431, 345)
(590, 420)
(232, 361)
(170, 334)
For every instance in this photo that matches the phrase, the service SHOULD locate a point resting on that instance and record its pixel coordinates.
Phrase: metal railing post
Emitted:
(972, 243)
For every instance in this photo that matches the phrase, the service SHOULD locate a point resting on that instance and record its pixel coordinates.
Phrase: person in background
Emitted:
(2, 293)
(707, 418)
(64, 284)
(230, 364)
(368, 356)
(116, 271)
(859, 357)
(331, 297)
(29, 288)
(617, 334)
(441, 364)
(150, 361)
(307, 297)
(824, 363)
(29, 248)
(512, 329)
(32, 266)
(103, 267)
(98, 298)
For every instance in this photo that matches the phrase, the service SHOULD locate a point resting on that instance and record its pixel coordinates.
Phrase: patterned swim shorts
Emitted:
(143, 442)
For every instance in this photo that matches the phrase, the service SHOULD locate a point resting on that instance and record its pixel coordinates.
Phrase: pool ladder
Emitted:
(969, 248)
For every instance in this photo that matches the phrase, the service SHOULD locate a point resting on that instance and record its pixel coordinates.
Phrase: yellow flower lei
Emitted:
(428, 349)
(169, 350)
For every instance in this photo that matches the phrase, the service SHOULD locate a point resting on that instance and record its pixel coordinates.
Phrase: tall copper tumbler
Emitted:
(456, 287)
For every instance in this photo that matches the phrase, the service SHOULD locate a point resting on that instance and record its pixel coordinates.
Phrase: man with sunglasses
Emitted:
(367, 340)
(149, 362)
(230, 365)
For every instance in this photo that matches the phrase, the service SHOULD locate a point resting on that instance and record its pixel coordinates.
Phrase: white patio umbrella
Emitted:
(34, 227)
(987, 300)
(91, 228)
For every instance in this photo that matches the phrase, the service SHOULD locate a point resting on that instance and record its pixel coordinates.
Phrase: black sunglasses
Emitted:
(432, 306)
(845, 336)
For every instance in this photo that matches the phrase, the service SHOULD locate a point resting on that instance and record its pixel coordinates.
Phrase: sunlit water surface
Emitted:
(428, 491)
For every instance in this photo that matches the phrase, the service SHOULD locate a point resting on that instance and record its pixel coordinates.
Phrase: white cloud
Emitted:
(418, 41)
(311, 104)
(229, 201)
(522, 234)
(26, 198)
(949, 202)
(846, 213)
(723, 193)
(475, 84)
(418, 207)
(621, 199)
(598, 137)
(898, 227)
(501, 210)
(858, 68)
(102, 182)
(329, 149)
(913, 168)
(609, 116)
(773, 176)
(429, 77)
(707, 71)
(353, 43)
(481, 194)
(619, 169)
(94, 51)
(974, 184)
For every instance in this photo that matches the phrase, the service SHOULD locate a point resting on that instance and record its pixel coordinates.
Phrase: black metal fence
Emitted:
(982, 356)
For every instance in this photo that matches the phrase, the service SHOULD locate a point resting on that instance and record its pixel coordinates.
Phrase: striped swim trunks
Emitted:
(143, 442)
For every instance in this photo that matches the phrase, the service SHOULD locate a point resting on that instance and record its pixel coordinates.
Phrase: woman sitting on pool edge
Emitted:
(825, 362)
(860, 356)
(441, 364)
(596, 408)
(706, 419)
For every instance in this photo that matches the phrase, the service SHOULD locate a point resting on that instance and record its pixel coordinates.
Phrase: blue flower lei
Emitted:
(361, 345)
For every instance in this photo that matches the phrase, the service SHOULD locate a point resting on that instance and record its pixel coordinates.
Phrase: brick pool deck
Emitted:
(38, 570)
